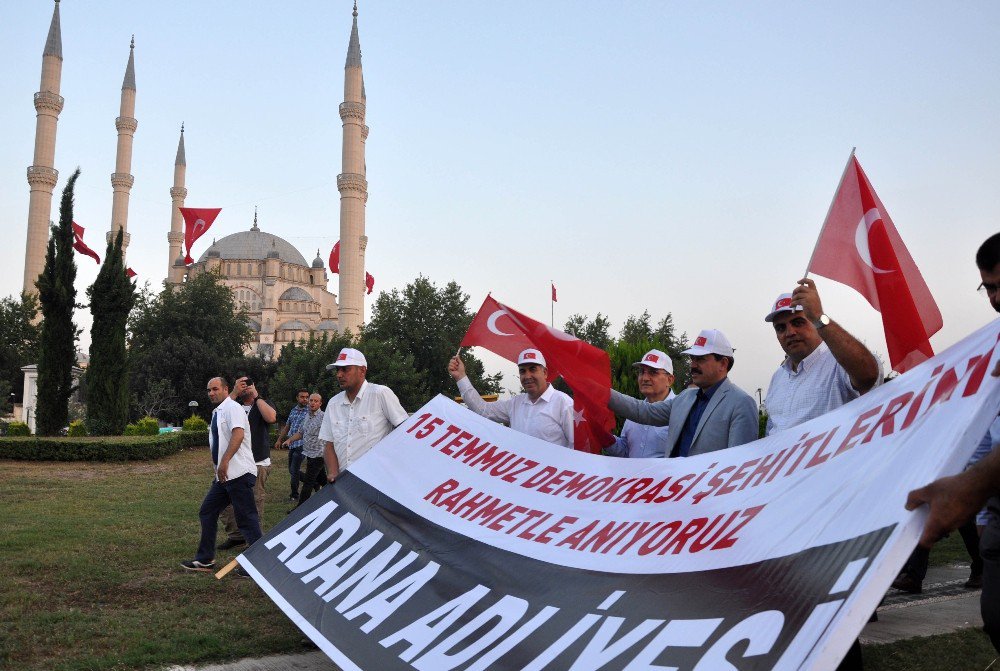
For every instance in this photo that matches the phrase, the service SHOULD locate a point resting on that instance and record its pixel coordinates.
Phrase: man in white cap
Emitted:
(824, 366)
(655, 376)
(541, 410)
(714, 415)
(359, 416)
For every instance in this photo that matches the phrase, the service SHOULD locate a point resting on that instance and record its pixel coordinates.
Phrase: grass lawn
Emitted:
(89, 575)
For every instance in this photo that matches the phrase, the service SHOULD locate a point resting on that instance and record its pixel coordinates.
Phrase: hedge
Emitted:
(98, 448)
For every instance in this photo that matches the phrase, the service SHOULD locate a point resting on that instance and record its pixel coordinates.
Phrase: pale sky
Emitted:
(675, 157)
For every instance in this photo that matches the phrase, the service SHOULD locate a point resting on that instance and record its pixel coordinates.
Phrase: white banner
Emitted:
(457, 543)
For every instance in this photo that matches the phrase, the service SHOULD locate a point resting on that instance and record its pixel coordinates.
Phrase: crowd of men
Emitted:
(824, 367)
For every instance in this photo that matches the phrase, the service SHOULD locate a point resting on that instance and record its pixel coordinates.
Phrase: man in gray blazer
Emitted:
(713, 416)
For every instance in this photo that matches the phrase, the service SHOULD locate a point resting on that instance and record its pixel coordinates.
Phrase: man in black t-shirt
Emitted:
(261, 414)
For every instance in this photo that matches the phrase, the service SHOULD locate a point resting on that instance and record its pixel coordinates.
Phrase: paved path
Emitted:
(944, 606)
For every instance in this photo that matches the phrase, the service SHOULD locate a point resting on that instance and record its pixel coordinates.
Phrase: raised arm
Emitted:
(861, 365)
(653, 414)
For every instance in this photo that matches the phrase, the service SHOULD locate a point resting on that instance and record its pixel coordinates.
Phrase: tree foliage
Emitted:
(57, 296)
(112, 296)
(19, 339)
(426, 323)
(597, 331)
(184, 335)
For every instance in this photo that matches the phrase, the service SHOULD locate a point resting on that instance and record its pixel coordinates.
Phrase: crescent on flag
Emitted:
(861, 239)
(491, 323)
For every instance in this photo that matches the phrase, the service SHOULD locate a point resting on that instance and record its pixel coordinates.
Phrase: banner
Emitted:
(456, 543)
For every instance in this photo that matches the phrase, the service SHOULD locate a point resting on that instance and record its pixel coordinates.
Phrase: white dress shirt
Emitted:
(818, 385)
(550, 417)
(355, 427)
(229, 415)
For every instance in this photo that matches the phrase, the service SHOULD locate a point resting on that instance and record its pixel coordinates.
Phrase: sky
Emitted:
(672, 157)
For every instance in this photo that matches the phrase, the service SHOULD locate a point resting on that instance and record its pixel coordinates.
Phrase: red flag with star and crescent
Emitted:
(860, 247)
(80, 246)
(586, 369)
(197, 221)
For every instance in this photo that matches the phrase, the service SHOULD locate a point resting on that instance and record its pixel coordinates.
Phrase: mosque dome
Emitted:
(254, 244)
(318, 261)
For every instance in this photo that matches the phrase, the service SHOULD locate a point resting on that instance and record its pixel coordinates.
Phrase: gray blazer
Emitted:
(730, 418)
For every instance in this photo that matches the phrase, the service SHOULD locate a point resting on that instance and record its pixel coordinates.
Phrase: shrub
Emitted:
(95, 448)
(77, 429)
(195, 424)
(18, 429)
(147, 426)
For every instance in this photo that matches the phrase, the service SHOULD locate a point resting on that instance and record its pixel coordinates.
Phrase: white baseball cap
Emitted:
(710, 341)
(782, 303)
(531, 356)
(349, 357)
(654, 358)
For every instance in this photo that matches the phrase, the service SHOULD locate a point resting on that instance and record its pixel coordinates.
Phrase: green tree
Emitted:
(19, 337)
(597, 332)
(185, 335)
(57, 295)
(112, 296)
(425, 322)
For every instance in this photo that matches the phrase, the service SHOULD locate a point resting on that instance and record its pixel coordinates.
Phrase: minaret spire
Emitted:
(121, 178)
(353, 186)
(42, 175)
(175, 262)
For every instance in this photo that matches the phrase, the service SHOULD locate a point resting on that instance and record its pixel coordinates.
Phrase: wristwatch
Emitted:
(821, 321)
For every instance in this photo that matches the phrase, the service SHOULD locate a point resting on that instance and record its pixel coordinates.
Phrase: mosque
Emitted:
(285, 297)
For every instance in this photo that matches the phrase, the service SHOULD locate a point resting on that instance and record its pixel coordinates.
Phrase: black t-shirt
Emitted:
(260, 439)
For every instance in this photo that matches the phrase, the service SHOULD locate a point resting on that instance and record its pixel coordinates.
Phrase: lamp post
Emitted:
(760, 400)
(194, 407)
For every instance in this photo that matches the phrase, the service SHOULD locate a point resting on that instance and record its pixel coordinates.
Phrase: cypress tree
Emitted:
(112, 296)
(57, 295)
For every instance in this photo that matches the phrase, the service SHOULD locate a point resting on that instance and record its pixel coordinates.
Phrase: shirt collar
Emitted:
(708, 393)
(546, 395)
(807, 362)
(361, 393)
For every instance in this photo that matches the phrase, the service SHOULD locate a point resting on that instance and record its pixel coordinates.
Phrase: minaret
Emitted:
(353, 189)
(175, 263)
(42, 174)
(121, 178)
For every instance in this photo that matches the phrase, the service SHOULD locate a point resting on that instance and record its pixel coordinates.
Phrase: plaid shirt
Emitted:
(296, 418)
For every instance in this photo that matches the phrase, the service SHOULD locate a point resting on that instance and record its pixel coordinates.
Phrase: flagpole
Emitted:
(830, 209)
(552, 306)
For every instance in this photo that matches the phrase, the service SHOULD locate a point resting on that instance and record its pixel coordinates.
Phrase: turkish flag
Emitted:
(80, 246)
(860, 247)
(335, 258)
(130, 273)
(586, 369)
(554, 299)
(369, 282)
(197, 220)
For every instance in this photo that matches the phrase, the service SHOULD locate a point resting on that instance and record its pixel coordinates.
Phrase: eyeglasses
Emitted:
(990, 289)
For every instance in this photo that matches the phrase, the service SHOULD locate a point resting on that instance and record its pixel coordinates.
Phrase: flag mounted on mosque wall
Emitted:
(458, 543)
(585, 368)
(197, 221)
(80, 246)
(860, 247)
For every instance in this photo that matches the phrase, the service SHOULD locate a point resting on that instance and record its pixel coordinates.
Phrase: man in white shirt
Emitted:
(655, 376)
(235, 477)
(541, 410)
(824, 366)
(359, 416)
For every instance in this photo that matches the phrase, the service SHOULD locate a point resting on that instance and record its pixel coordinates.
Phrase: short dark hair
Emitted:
(988, 255)
(224, 379)
(731, 360)
(302, 390)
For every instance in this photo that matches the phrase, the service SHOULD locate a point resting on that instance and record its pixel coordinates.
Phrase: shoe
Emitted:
(195, 565)
(240, 572)
(230, 543)
(974, 582)
(294, 498)
(907, 583)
